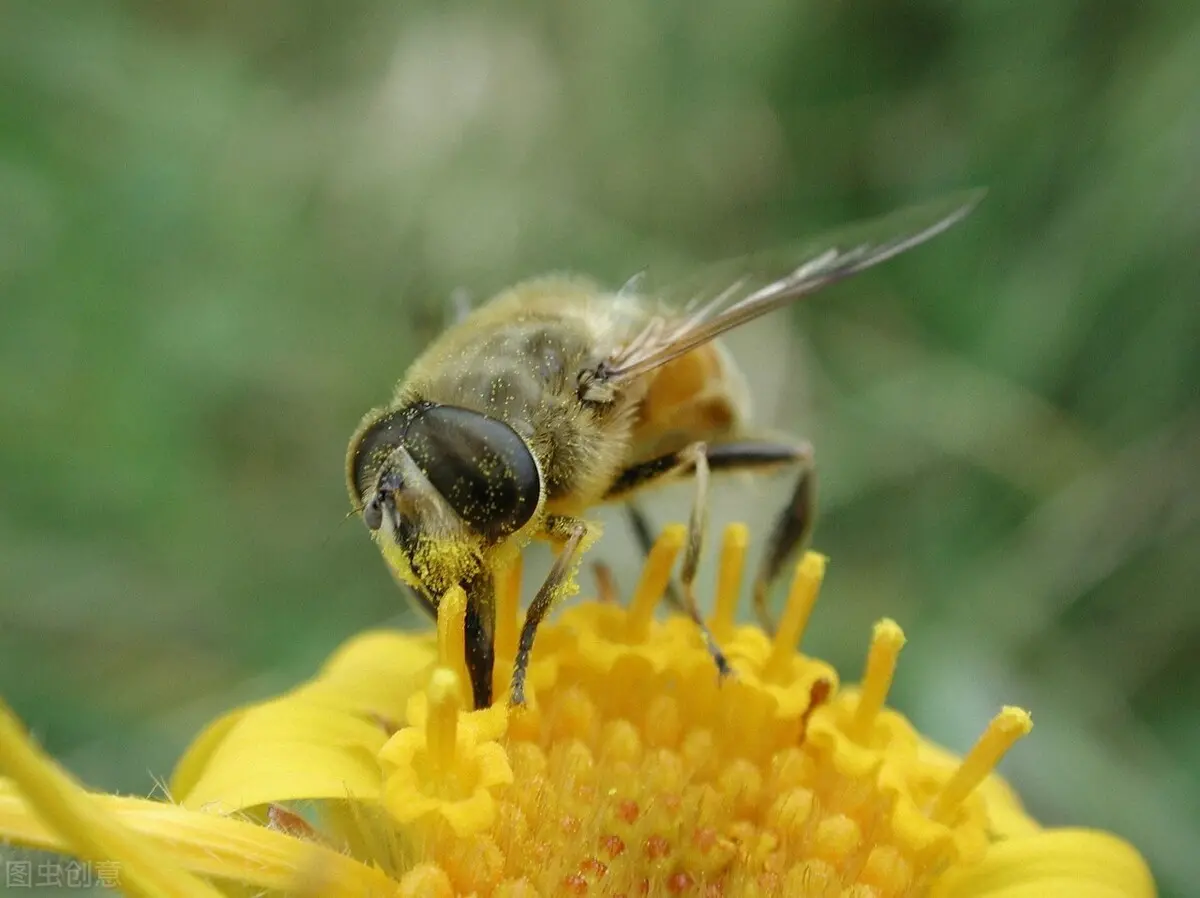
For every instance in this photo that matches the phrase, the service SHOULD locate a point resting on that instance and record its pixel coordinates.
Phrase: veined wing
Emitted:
(742, 290)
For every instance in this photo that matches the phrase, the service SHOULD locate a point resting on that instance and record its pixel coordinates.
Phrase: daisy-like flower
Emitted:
(632, 772)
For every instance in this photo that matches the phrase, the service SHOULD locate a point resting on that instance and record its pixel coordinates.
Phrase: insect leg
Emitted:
(479, 630)
(480, 636)
(558, 527)
(790, 535)
(793, 526)
(697, 526)
(643, 532)
(695, 458)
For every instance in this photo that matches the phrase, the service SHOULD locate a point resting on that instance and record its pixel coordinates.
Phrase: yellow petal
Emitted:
(492, 763)
(467, 815)
(191, 766)
(209, 845)
(376, 672)
(83, 826)
(471, 815)
(285, 750)
(1064, 863)
(372, 675)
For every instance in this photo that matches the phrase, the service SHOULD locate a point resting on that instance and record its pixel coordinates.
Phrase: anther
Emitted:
(729, 580)
(656, 574)
(886, 642)
(806, 586)
(1006, 728)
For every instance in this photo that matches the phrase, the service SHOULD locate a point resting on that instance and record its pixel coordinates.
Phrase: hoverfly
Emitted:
(557, 396)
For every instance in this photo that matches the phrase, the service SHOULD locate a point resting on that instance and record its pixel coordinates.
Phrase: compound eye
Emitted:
(481, 467)
(371, 448)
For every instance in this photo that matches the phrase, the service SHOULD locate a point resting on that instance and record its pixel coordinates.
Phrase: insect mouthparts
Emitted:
(373, 511)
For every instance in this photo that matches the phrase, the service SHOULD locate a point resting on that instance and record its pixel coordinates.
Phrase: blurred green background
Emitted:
(225, 229)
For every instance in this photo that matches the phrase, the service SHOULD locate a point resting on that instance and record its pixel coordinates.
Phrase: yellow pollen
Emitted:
(451, 624)
(653, 583)
(441, 728)
(887, 640)
(729, 580)
(637, 772)
(1005, 730)
(806, 586)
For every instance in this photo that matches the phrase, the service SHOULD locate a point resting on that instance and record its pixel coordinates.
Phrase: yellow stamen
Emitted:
(886, 642)
(1002, 733)
(508, 605)
(88, 831)
(806, 586)
(729, 580)
(441, 730)
(653, 583)
(451, 626)
(636, 773)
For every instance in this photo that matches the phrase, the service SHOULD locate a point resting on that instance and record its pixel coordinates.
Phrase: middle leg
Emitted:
(793, 525)
(693, 459)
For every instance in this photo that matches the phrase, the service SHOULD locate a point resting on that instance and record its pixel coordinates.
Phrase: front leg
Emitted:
(571, 533)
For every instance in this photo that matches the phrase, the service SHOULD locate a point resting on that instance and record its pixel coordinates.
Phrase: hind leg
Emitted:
(790, 536)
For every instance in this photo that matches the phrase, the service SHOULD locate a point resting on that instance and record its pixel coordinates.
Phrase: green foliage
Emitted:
(226, 229)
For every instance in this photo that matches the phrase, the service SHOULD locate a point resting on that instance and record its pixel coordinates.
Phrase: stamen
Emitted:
(451, 632)
(656, 574)
(508, 605)
(1002, 733)
(886, 642)
(441, 728)
(729, 580)
(806, 586)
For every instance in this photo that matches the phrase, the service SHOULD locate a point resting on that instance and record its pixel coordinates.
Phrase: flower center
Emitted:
(635, 770)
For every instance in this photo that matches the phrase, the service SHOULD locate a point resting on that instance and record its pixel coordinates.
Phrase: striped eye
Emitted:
(373, 446)
(481, 467)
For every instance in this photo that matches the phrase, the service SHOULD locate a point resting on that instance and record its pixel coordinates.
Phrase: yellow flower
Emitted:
(632, 771)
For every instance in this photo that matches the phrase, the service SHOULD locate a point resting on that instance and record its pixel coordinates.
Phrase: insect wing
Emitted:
(750, 287)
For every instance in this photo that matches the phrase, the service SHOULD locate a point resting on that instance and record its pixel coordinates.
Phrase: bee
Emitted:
(557, 396)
